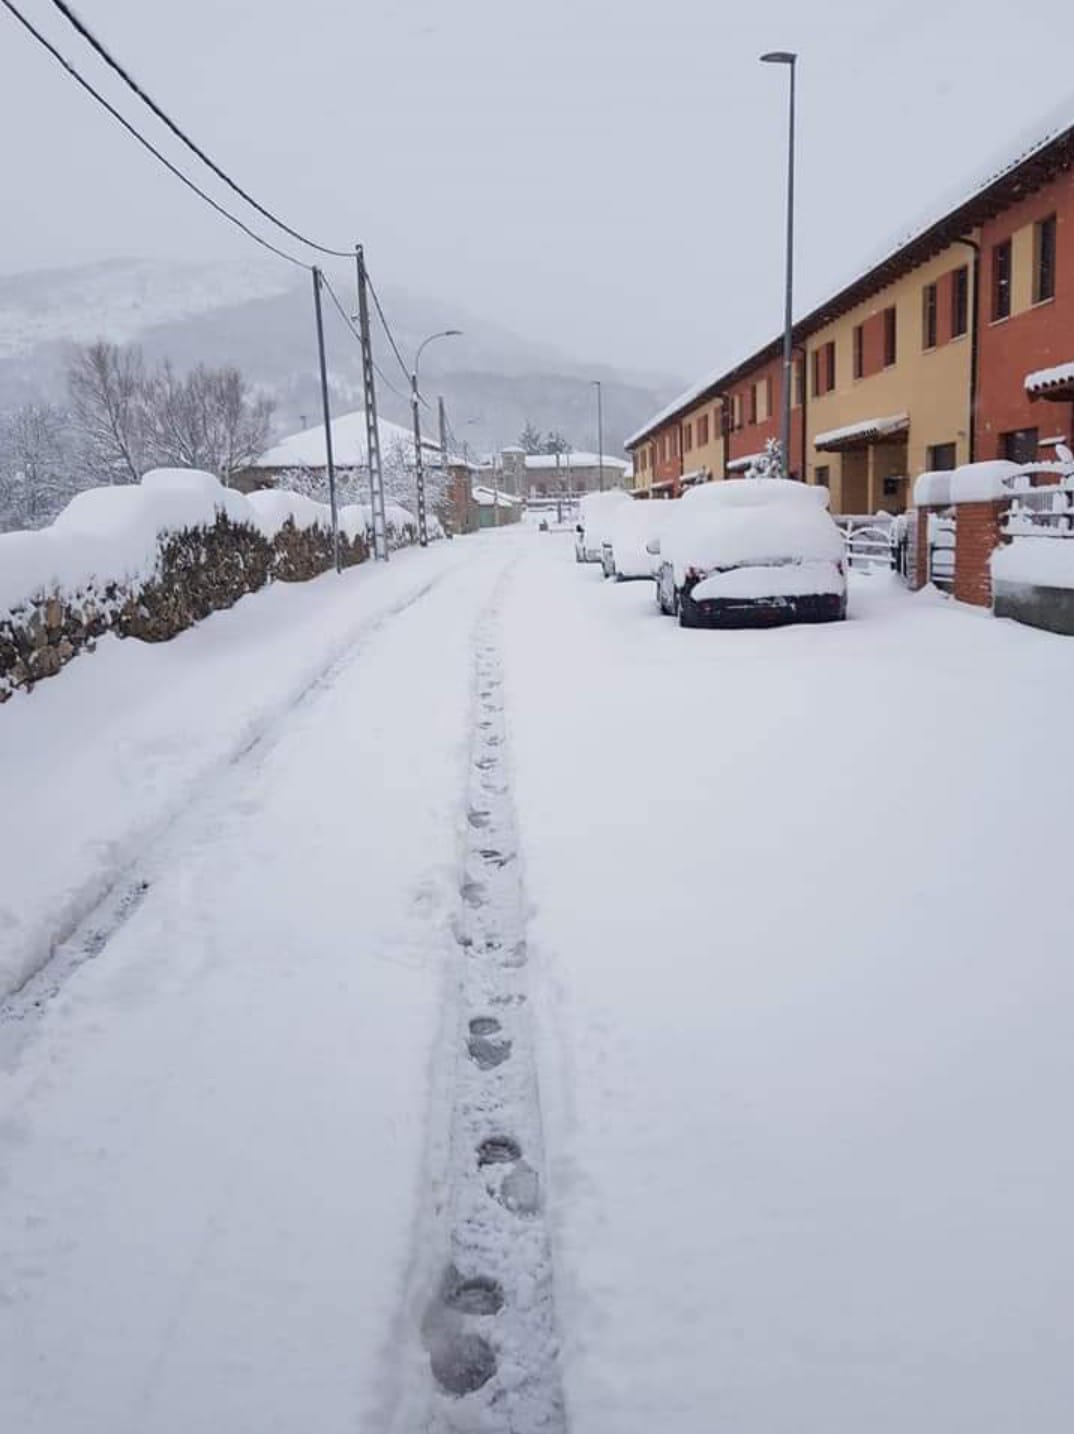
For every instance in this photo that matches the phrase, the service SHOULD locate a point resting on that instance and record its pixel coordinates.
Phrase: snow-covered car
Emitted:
(628, 550)
(595, 516)
(753, 553)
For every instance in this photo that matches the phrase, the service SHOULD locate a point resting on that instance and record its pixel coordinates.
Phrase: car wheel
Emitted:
(684, 611)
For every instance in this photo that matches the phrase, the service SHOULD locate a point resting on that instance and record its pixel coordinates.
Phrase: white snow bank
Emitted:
(781, 580)
(1046, 562)
(971, 483)
(114, 535)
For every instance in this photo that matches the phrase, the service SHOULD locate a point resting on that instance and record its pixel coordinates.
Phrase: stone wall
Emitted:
(201, 570)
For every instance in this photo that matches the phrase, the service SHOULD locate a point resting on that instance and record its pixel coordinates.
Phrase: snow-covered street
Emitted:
(748, 950)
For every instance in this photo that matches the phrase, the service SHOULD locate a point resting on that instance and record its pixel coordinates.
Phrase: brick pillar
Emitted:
(976, 537)
(921, 575)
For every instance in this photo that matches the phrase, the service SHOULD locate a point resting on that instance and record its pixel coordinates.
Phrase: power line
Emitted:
(387, 330)
(129, 80)
(145, 143)
(350, 325)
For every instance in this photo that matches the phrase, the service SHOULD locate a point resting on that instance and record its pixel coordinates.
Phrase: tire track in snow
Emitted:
(112, 901)
(487, 1312)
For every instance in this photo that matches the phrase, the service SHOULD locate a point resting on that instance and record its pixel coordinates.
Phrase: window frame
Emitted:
(891, 336)
(960, 301)
(1002, 280)
(1044, 268)
(930, 316)
(858, 361)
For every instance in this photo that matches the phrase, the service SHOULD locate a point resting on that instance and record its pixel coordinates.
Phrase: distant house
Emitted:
(554, 475)
(305, 452)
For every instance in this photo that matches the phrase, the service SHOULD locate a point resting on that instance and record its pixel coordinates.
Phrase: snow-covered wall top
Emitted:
(114, 535)
(985, 482)
(1045, 561)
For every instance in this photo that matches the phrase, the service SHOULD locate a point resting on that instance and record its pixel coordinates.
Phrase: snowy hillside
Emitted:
(259, 318)
(122, 298)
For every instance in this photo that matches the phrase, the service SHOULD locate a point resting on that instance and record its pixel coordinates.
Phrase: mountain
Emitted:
(261, 319)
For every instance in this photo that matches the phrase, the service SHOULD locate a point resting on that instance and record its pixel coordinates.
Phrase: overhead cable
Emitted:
(147, 99)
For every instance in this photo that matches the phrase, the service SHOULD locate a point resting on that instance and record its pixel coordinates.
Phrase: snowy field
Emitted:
(798, 986)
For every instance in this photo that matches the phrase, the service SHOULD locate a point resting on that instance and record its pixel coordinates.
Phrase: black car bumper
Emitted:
(761, 612)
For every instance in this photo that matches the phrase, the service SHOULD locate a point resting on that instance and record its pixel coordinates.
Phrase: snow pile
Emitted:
(746, 521)
(113, 536)
(1045, 561)
(757, 536)
(632, 528)
(785, 580)
(985, 482)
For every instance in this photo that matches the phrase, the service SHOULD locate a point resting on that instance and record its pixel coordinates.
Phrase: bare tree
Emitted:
(107, 389)
(128, 420)
(36, 477)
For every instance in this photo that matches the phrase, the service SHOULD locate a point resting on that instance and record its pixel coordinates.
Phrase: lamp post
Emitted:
(415, 404)
(788, 58)
(600, 432)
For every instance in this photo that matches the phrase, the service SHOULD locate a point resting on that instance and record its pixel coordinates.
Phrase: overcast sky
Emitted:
(604, 174)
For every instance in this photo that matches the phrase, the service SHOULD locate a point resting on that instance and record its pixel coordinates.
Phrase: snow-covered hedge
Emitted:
(148, 560)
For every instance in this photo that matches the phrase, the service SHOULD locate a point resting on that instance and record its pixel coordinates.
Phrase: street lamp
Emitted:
(600, 430)
(788, 58)
(415, 404)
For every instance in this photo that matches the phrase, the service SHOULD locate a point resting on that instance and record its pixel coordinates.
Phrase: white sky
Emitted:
(604, 174)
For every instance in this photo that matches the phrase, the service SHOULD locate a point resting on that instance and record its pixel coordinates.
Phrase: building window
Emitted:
(928, 316)
(702, 430)
(754, 389)
(822, 477)
(688, 437)
(890, 337)
(736, 411)
(1020, 445)
(941, 457)
(960, 301)
(823, 369)
(799, 381)
(1044, 260)
(1001, 280)
(859, 350)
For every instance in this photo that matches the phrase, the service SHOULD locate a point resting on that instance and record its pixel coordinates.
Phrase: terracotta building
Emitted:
(958, 345)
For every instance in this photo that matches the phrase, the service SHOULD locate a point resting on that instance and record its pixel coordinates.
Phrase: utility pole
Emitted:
(327, 419)
(372, 428)
(443, 438)
(419, 467)
(600, 430)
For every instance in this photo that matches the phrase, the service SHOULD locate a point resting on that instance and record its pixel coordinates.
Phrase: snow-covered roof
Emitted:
(493, 497)
(349, 450)
(867, 428)
(573, 460)
(1061, 376)
(1054, 130)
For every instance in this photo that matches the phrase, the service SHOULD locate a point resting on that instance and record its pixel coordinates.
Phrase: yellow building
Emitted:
(888, 385)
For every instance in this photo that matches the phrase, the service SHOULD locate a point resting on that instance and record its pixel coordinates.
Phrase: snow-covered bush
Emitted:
(768, 464)
(148, 560)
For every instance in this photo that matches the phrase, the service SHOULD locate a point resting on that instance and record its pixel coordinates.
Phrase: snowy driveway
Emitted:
(798, 975)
